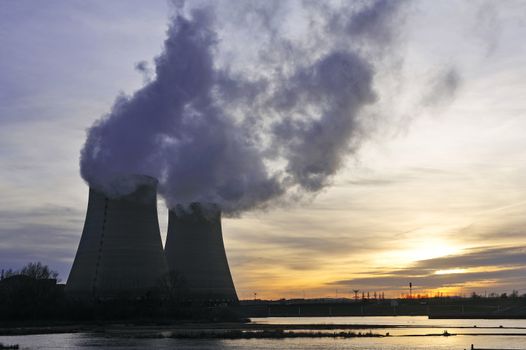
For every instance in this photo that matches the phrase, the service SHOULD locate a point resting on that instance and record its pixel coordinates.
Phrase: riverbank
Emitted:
(154, 330)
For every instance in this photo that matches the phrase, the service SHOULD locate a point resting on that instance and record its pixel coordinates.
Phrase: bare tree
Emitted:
(38, 271)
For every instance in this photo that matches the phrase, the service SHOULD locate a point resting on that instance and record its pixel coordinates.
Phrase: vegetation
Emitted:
(271, 333)
(29, 293)
(32, 295)
(34, 270)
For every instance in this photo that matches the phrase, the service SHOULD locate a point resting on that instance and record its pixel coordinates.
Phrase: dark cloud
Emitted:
(336, 87)
(375, 20)
(501, 256)
(433, 281)
(496, 264)
(510, 234)
(143, 68)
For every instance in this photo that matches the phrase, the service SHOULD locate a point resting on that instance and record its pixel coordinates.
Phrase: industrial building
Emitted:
(120, 252)
(195, 252)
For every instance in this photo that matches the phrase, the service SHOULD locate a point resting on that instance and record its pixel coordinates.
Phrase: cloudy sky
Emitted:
(432, 191)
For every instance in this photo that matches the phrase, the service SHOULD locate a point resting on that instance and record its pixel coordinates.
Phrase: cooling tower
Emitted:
(195, 252)
(120, 251)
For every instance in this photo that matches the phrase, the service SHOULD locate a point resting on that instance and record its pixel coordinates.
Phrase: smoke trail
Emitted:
(280, 121)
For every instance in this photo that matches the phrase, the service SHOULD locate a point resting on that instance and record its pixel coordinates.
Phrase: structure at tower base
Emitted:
(120, 252)
(195, 254)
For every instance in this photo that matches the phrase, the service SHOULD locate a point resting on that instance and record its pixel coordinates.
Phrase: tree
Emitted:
(34, 270)
(29, 293)
(38, 271)
(7, 273)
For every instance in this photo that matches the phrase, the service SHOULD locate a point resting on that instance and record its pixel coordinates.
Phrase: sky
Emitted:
(434, 192)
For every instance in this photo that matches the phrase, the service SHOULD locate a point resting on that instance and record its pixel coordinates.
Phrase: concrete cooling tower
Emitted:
(120, 251)
(195, 252)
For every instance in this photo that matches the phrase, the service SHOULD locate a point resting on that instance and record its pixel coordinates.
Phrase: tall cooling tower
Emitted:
(195, 252)
(120, 251)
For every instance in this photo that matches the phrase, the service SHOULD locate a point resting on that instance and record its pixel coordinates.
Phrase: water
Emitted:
(398, 341)
(411, 325)
(392, 320)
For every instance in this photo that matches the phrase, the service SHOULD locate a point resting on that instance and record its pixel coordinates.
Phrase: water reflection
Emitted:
(97, 342)
(392, 320)
(397, 341)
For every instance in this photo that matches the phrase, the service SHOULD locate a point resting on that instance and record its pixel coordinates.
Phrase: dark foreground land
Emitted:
(489, 308)
(29, 305)
(159, 318)
(59, 311)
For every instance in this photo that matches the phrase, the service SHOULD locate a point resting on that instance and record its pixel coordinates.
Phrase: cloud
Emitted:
(51, 244)
(488, 26)
(46, 233)
(371, 182)
(442, 87)
(50, 212)
(499, 265)
(143, 68)
(376, 21)
(395, 282)
(478, 257)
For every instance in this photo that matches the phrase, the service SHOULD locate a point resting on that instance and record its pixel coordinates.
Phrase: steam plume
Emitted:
(245, 131)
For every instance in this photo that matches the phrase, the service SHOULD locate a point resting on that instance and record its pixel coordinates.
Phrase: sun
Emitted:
(419, 248)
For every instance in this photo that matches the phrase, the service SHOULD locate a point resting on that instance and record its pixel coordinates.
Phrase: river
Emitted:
(405, 334)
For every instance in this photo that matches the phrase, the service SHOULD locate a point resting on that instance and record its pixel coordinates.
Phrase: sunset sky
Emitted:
(435, 193)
